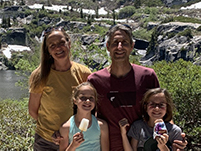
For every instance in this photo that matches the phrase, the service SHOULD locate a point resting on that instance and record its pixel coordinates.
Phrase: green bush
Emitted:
(17, 127)
(127, 11)
(182, 80)
(186, 33)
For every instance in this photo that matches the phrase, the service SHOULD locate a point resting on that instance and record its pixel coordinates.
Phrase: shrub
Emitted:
(127, 11)
(17, 127)
(186, 33)
(182, 79)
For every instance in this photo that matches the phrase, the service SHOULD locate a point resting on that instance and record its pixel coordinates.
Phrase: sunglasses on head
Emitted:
(50, 29)
(127, 26)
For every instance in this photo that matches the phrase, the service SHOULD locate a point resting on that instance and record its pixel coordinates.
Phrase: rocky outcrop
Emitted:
(15, 36)
(170, 3)
(171, 45)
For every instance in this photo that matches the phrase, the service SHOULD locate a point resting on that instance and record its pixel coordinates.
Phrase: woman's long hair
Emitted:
(39, 77)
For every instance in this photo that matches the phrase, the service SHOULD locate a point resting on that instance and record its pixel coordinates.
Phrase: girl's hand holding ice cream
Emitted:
(77, 140)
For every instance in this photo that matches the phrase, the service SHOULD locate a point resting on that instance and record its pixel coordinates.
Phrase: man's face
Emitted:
(120, 46)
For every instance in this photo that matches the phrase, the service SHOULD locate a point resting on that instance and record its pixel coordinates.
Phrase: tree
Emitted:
(137, 3)
(22, 2)
(8, 22)
(113, 15)
(97, 12)
(4, 22)
(81, 13)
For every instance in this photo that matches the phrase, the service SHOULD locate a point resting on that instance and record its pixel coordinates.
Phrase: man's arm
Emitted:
(180, 145)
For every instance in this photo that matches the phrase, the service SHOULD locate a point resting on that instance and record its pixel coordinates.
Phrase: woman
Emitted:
(51, 87)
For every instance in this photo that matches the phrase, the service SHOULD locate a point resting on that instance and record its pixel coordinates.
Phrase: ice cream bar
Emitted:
(84, 124)
(159, 129)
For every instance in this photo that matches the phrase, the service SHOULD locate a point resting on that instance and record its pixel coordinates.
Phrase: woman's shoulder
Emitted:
(78, 65)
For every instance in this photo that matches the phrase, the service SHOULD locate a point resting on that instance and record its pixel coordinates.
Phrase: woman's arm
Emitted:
(104, 135)
(34, 104)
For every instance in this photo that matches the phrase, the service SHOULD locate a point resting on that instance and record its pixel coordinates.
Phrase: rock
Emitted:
(175, 47)
(15, 36)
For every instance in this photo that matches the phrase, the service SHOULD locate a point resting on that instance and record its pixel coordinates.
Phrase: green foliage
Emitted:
(187, 33)
(137, 3)
(153, 42)
(187, 19)
(90, 55)
(199, 28)
(152, 3)
(182, 80)
(127, 11)
(120, 2)
(167, 20)
(143, 34)
(17, 127)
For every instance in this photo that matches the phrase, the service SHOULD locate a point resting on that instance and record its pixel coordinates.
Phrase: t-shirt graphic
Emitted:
(122, 99)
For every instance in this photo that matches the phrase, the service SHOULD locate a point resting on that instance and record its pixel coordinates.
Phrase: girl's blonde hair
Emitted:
(76, 93)
(169, 109)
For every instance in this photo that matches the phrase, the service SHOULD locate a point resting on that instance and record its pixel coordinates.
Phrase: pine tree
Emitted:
(81, 13)
(8, 22)
(137, 3)
(113, 15)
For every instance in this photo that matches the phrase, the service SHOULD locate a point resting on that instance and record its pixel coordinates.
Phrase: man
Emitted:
(121, 85)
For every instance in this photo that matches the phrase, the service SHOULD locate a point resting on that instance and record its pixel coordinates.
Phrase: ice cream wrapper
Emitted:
(159, 129)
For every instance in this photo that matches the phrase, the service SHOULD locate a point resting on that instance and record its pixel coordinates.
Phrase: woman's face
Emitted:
(58, 46)
(156, 106)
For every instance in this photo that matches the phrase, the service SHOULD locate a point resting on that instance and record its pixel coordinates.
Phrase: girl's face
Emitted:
(86, 99)
(156, 106)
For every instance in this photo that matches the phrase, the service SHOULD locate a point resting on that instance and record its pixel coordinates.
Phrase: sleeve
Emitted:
(134, 131)
(175, 133)
(87, 72)
(32, 89)
(84, 72)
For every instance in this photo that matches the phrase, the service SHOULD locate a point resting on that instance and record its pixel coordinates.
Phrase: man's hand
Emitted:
(180, 145)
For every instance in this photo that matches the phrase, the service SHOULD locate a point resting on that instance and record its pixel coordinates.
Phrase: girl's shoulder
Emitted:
(172, 127)
(102, 123)
(67, 123)
(139, 122)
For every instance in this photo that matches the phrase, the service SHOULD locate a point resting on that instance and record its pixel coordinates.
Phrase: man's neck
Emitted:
(120, 70)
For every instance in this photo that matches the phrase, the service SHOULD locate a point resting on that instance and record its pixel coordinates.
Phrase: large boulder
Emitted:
(15, 36)
(172, 48)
